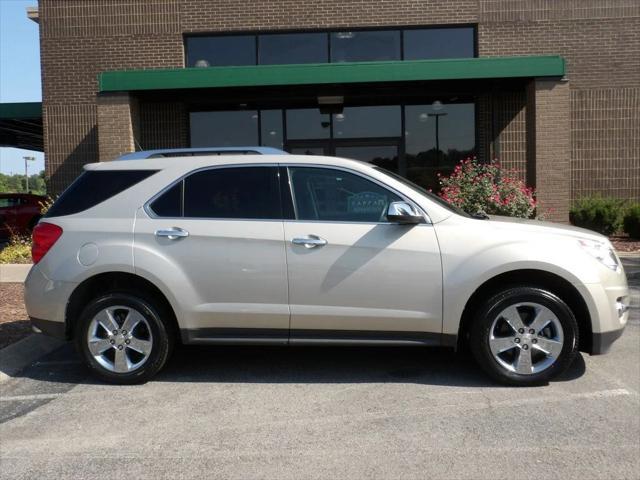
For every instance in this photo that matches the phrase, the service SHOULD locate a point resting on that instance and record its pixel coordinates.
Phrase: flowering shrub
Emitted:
(17, 251)
(486, 188)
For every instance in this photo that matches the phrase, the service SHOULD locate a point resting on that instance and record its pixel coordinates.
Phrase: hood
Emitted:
(537, 226)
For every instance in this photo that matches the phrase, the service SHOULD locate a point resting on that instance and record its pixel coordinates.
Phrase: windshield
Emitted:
(424, 191)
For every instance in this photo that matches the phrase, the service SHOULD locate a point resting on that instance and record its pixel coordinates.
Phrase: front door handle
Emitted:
(310, 241)
(172, 233)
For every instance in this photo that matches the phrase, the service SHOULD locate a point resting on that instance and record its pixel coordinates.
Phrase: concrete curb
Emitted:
(14, 272)
(19, 355)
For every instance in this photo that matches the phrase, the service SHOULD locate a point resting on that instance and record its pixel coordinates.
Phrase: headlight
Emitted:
(602, 252)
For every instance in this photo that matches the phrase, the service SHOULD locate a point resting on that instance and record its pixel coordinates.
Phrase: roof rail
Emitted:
(193, 152)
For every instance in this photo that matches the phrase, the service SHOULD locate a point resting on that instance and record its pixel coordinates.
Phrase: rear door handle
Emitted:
(310, 241)
(172, 233)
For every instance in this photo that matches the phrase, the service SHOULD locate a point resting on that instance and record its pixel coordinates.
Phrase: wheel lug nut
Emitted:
(517, 340)
(532, 331)
(127, 341)
(521, 330)
(120, 347)
(525, 347)
(534, 340)
(124, 332)
(112, 341)
(115, 332)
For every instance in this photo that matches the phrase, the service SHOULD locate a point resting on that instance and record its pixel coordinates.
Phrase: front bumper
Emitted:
(601, 342)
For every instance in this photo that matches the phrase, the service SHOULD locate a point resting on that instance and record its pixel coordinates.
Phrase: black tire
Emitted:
(480, 332)
(159, 324)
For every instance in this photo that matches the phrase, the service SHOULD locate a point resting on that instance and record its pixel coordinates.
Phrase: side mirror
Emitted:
(404, 213)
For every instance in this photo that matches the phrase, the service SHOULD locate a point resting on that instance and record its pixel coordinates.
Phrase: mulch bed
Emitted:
(14, 323)
(625, 244)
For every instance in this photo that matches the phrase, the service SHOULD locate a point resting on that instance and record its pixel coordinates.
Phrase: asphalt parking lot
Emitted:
(325, 413)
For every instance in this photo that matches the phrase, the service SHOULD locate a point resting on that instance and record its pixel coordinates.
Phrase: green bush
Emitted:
(17, 251)
(603, 215)
(631, 221)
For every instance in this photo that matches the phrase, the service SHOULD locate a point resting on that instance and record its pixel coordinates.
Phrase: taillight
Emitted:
(44, 237)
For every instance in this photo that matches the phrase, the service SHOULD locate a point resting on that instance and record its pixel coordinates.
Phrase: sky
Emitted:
(19, 73)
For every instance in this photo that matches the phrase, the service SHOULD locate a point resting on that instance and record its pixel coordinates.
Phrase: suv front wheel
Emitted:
(524, 336)
(123, 337)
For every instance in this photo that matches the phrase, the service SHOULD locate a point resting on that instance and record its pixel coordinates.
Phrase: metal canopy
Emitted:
(333, 73)
(21, 125)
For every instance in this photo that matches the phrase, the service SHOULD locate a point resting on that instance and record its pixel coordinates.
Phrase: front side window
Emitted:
(324, 194)
(242, 192)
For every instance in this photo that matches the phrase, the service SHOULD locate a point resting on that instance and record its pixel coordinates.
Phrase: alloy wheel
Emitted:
(119, 338)
(526, 338)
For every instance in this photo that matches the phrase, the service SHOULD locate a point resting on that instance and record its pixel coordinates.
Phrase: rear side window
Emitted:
(245, 192)
(94, 187)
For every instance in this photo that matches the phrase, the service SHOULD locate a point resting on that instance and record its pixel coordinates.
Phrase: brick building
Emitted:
(549, 87)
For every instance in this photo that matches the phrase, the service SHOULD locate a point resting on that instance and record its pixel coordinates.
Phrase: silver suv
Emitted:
(270, 249)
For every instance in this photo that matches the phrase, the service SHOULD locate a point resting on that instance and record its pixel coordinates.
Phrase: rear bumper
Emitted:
(601, 342)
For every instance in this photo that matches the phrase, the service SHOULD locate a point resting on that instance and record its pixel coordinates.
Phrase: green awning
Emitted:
(21, 125)
(333, 73)
(22, 110)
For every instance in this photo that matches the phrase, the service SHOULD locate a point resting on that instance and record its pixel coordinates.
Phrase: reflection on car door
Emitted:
(352, 275)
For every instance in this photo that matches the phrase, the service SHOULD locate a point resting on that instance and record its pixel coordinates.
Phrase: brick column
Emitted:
(118, 125)
(548, 145)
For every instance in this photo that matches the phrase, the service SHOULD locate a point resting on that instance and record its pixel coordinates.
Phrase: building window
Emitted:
(367, 122)
(220, 51)
(437, 137)
(345, 46)
(224, 128)
(433, 43)
(289, 48)
(307, 123)
(364, 46)
(271, 129)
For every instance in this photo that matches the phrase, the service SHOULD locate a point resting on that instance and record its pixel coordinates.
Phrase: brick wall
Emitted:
(600, 40)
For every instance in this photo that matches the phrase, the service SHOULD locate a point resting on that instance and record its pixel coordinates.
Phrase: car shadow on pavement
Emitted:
(245, 364)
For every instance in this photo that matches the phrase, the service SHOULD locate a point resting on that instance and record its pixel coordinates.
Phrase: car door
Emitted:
(216, 241)
(354, 276)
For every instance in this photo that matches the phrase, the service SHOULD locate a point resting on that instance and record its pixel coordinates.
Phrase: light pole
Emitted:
(437, 116)
(26, 169)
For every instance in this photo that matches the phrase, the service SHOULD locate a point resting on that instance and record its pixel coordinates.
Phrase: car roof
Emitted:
(189, 152)
(194, 162)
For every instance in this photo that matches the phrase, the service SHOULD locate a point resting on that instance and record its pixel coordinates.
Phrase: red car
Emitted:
(19, 213)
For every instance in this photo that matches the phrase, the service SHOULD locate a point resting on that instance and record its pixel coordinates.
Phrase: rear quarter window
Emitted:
(94, 187)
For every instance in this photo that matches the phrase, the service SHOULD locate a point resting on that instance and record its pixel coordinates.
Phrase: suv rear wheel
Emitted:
(124, 338)
(524, 336)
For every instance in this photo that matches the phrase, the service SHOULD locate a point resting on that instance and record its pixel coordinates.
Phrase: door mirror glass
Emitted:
(403, 212)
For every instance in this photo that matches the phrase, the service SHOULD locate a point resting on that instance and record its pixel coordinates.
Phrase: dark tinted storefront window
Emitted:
(224, 128)
(272, 134)
(434, 43)
(365, 122)
(430, 150)
(307, 123)
(248, 192)
(290, 48)
(221, 51)
(362, 46)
